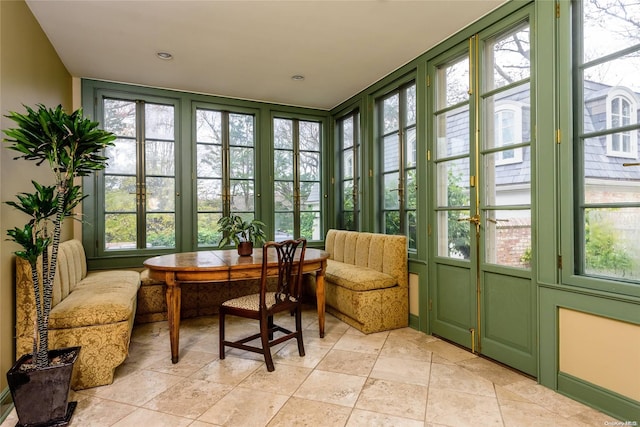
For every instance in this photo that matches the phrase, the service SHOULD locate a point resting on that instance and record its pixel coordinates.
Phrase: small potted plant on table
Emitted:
(72, 146)
(244, 234)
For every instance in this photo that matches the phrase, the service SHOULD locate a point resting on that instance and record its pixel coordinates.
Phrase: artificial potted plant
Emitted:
(71, 145)
(244, 234)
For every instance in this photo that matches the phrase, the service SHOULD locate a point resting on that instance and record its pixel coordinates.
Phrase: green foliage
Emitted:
(459, 232)
(603, 252)
(235, 229)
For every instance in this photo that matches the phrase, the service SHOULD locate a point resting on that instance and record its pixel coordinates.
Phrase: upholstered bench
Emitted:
(94, 310)
(366, 281)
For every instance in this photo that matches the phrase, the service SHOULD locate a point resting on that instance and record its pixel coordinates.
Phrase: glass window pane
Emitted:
(119, 193)
(511, 113)
(411, 106)
(309, 196)
(241, 130)
(283, 164)
(612, 242)
(391, 153)
(411, 189)
(160, 194)
(508, 55)
(454, 234)
(613, 21)
(309, 136)
(209, 126)
(283, 226)
(508, 238)
(209, 195)
(241, 162)
(411, 148)
(122, 157)
(283, 134)
(412, 225)
(453, 183)
(242, 195)
(209, 161)
(619, 72)
(391, 113)
(310, 225)
(283, 195)
(347, 195)
(347, 132)
(120, 117)
(160, 158)
(159, 121)
(391, 222)
(507, 183)
(347, 164)
(391, 191)
(309, 166)
(161, 230)
(208, 229)
(452, 130)
(120, 231)
(453, 83)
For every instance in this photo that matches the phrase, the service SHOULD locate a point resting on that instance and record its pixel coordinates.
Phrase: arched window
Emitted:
(622, 112)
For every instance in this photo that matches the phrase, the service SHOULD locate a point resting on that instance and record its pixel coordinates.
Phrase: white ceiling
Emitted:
(250, 49)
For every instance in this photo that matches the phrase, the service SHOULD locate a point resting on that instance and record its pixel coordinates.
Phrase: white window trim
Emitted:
(628, 95)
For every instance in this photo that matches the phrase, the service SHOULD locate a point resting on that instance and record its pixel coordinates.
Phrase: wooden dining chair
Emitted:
(288, 257)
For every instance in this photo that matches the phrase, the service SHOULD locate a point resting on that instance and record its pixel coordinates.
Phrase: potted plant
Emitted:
(244, 234)
(71, 146)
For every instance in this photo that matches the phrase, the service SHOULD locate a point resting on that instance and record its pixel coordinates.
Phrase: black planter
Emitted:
(41, 397)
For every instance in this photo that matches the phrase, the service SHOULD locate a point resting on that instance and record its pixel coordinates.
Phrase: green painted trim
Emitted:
(6, 404)
(414, 322)
(607, 401)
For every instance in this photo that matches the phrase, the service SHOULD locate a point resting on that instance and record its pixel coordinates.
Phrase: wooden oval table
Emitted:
(223, 266)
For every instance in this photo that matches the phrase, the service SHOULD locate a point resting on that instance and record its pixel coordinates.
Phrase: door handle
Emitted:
(473, 219)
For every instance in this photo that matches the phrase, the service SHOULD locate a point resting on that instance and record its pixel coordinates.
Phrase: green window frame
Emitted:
(224, 169)
(348, 135)
(397, 151)
(606, 172)
(297, 179)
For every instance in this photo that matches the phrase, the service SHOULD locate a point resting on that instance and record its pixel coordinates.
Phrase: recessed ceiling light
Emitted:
(164, 55)
(297, 77)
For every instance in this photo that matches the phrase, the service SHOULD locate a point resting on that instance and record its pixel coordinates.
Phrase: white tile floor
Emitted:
(396, 378)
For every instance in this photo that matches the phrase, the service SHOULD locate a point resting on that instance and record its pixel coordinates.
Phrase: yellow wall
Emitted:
(602, 351)
(30, 73)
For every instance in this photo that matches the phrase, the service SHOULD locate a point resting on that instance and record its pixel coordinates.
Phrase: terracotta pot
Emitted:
(245, 248)
(41, 397)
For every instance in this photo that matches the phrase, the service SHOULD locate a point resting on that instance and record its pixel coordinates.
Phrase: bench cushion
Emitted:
(100, 298)
(357, 278)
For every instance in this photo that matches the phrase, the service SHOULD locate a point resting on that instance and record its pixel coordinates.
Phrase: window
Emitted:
(621, 112)
(297, 185)
(607, 207)
(349, 180)
(224, 170)
(397, 151)
(139, 181)
(508, 131)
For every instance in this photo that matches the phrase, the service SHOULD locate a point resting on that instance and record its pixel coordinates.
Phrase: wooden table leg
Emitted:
(173, 315)
(320, 299)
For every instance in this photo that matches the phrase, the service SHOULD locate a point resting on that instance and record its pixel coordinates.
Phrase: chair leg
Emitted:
(265, 332)
(270, 327)
(221, 333)
(299, 331)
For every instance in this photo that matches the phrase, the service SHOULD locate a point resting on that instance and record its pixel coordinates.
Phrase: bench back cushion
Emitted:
(381, 252)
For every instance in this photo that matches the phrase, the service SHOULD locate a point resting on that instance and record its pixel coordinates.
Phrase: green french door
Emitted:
(482, 294)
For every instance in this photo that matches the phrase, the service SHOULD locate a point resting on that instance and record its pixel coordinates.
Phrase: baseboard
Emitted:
(607, 401)
(414, 322)
(6, 404)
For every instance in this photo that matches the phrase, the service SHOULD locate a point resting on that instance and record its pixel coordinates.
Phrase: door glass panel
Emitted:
(283, 134)
(120, 193)
(391, 113)
(391, 191)
(161, 230)
(159, 158)
(454, 234)
(122, 157)
(453, 183)
(621, 17)
(120, 117)
(160, 194)
(209, 195)
(242, 195)
(391, 153)
(507, 183)
(120, 231)
(208, 229)
(610, 242)
(507, 237)
(284, 225)
(452, 130)
(511, 112)
(453, 83)
(241, 130)
(508, 55)
(159, 121)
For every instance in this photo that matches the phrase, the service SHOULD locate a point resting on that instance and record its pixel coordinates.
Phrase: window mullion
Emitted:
(141, 190)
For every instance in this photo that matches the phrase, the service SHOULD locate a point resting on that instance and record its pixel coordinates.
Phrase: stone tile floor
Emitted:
(397, 378)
